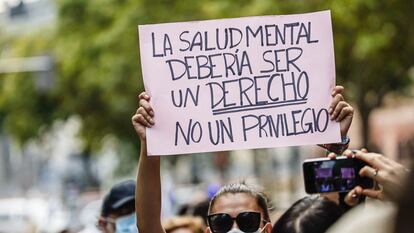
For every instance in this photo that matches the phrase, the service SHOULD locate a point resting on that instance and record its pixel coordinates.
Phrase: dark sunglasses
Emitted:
(246, 221)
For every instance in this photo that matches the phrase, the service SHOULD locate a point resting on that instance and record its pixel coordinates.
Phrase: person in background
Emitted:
(311, 214)
(118, 209)
(316, 214)
(391, 206)
(184, 224)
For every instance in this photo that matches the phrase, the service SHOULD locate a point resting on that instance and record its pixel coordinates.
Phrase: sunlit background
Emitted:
(69, 80)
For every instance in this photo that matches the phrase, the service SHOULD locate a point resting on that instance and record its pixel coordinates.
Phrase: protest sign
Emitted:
(242, 83)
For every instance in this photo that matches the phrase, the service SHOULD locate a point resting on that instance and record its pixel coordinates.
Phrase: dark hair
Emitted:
(201, 210)
(242, 187)
(120, 200)
(404, 216)
(311, 214)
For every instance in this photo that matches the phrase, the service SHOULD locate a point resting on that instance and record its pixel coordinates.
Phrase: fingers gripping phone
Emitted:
(324, 175)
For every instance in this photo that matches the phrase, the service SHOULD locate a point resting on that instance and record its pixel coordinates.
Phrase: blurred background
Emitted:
(69, 80)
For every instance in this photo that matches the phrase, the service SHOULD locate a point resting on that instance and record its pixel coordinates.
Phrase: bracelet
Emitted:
(345, 140)
(337, 148)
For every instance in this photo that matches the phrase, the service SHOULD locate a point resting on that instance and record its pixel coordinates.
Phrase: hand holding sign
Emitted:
(143, 116)
(340, 110)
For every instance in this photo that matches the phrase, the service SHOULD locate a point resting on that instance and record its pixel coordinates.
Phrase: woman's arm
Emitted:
(148, 188)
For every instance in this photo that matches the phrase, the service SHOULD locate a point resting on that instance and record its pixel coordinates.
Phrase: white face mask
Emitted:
(237, 230)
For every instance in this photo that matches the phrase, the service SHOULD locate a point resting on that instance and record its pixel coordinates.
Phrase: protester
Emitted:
(118, 209)
(236, 207)
(381, 216)
(311, 214)
(242, 204)
(385, 171)
(184, 224)
(232, 202)
(315, 214)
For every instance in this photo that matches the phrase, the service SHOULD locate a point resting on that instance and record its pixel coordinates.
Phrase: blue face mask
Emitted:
(126, 224)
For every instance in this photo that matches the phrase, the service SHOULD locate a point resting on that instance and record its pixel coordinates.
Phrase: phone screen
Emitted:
(340, 175)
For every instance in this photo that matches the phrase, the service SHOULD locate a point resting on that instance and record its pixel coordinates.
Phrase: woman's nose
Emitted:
(235, 225)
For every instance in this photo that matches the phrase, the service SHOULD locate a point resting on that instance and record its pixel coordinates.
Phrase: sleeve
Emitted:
(337, 148)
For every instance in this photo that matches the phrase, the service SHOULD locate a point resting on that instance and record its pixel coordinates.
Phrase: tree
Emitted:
(373, 47)
(24, 107)
(98, 71)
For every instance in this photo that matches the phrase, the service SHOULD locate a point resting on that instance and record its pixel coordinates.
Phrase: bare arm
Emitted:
(148, 188)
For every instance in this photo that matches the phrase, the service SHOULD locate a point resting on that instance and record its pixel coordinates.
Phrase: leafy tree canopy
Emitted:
(97, 70)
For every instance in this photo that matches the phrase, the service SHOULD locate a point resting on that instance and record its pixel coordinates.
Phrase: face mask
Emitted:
(239, 231)
(126, 224)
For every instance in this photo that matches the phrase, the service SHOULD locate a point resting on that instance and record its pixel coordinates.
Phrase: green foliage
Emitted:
(95, 45)
(23, 108)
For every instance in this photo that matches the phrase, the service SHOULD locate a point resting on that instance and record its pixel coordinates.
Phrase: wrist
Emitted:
(345, 140)
(337, 148)
(143, 143)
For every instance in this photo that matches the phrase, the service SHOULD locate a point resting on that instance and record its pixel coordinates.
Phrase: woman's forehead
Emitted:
(235, 203)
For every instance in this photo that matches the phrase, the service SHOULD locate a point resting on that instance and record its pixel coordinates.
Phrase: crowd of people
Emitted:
(133, 206)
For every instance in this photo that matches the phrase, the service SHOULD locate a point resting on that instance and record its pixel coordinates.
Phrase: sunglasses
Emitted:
(246, 221)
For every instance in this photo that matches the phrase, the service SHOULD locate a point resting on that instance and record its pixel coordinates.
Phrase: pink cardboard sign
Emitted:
(242, 83)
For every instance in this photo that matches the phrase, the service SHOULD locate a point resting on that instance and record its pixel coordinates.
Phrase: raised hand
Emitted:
(340, 110)
(143, 117)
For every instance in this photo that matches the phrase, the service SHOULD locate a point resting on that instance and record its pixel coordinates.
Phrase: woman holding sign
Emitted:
(235, 207)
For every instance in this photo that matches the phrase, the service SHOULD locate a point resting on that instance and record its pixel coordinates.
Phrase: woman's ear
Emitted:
(207, 230)
(101, 223)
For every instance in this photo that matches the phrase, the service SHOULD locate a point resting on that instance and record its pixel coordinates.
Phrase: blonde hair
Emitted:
(195, 224)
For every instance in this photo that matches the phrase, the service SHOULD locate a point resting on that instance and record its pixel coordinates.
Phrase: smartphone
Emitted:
(324, 175)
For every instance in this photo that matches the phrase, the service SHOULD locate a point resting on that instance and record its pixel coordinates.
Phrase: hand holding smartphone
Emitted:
(324, 175)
